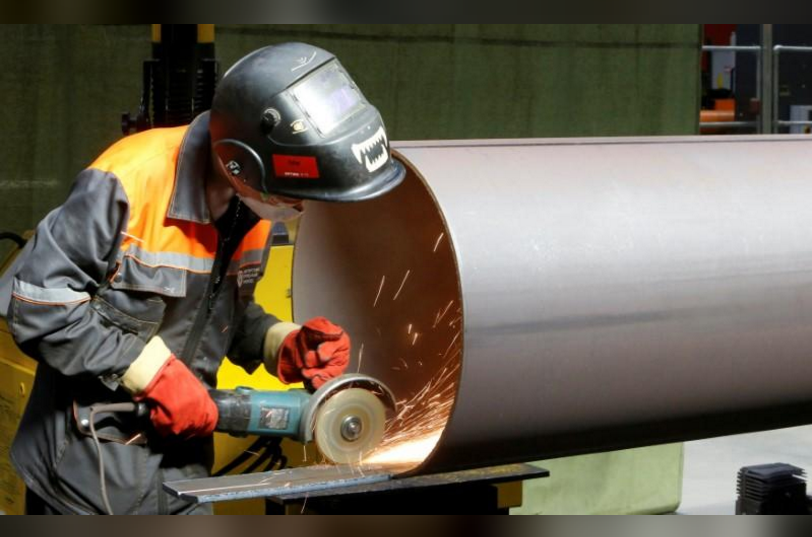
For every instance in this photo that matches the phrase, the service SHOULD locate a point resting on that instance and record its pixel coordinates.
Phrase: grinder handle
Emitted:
(234, 409)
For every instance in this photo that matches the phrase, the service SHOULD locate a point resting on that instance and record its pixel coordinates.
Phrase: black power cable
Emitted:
(242, 458)
(265, 449)
(278, 461)
(262, 459)
(10, 235)
(99, 409)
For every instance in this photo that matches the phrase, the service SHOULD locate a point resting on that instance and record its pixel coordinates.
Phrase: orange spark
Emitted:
(406, 277)
(383, 279)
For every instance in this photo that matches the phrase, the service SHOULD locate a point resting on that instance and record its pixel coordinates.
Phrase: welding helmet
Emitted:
(288, 120)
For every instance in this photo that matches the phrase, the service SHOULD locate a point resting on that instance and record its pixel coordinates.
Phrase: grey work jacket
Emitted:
(131, 253)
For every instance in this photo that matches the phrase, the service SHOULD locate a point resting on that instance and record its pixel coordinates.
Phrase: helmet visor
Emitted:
(328, 97)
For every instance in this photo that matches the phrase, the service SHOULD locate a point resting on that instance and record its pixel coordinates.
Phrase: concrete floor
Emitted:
(712, 466)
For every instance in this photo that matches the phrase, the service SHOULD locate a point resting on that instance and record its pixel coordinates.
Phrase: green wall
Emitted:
(511, 80)
(64, 87)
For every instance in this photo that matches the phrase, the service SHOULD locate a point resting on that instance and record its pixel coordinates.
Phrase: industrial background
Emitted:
(66, 88)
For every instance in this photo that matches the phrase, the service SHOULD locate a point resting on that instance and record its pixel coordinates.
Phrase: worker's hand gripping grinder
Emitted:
(345, 417)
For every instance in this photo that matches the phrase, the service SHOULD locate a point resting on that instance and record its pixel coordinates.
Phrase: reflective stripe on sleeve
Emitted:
(41, 295)
(248, 258)
(169, 259)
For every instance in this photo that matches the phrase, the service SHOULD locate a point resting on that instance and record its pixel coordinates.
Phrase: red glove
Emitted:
(316, 353)
(178, 402)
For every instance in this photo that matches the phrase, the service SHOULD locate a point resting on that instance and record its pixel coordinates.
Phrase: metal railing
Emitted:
(755, 49)
(768, 79)
(778, 50)
(731, 48)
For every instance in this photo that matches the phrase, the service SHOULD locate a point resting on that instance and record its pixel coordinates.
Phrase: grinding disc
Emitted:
(349, 425)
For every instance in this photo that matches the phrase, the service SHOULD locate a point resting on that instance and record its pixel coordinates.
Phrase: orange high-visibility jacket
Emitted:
(132, 253)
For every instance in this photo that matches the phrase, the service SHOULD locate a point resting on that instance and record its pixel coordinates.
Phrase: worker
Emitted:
(138, 285)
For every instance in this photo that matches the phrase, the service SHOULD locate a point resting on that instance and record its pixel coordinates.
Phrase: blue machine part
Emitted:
(276, 412)
(245, 411)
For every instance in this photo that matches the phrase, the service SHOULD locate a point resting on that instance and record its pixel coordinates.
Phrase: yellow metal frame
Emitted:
(16, 379)
(205, 33)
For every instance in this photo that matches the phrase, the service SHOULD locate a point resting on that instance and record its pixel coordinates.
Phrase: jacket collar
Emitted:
(189, 198)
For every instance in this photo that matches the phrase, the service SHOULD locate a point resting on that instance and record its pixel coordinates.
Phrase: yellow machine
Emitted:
(16, 378)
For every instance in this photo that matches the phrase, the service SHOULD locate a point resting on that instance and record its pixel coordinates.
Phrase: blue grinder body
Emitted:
(246, 411)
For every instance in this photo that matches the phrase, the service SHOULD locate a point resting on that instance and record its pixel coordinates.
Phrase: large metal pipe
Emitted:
(612, 293)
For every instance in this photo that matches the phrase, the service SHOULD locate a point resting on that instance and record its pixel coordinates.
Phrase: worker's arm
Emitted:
(312, 353)
(247, 348)
(55, 316)
(178, 402)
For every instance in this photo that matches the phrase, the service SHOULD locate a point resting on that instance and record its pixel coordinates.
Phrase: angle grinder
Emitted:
(346, 416)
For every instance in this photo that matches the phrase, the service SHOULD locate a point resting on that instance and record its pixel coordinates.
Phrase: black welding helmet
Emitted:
(288, 120)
